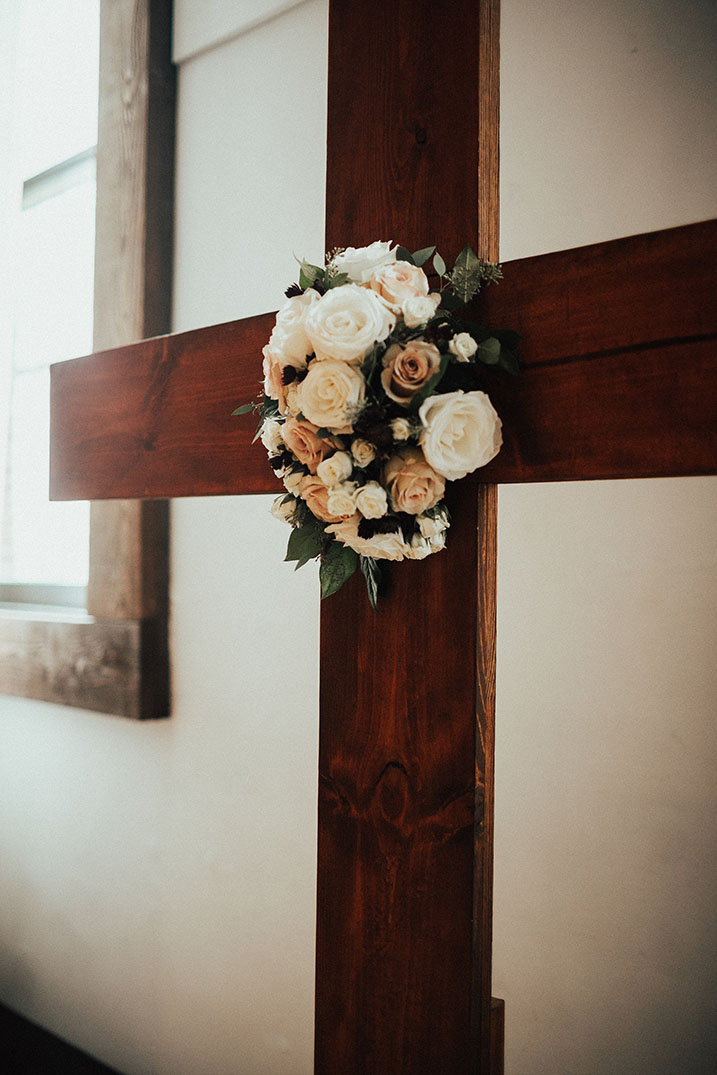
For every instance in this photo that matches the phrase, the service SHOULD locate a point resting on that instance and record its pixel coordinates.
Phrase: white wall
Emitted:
(605, 887)
(157, 881)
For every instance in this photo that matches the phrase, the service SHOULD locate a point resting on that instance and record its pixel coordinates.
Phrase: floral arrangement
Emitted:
(375, 397)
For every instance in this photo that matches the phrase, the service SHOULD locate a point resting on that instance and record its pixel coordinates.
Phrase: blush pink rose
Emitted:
(413, 486)
(316, 495)
(299, 436)
(407, 368)
(398, 282)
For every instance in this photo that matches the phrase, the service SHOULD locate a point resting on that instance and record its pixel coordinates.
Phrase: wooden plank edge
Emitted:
(118, 667)
(497, 1037)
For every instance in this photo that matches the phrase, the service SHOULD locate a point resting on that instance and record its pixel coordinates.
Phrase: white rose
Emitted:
(463, 346)
(419, 548)
(372, 501)
(331, 394)
(271, 436)
(363, 452)
(292, 482)
(362, 262)
(291, 398)
(284, 509)
(289, 337)
(342, 499)
(346, 322)
(399, 282)
(380, 546)
(461, 432)
(401, 429)
(337, 468)
(418, 310)
(432, 525)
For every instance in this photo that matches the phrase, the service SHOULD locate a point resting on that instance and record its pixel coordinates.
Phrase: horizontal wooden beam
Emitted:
(108, 666)
(620, 348)
(619, 342)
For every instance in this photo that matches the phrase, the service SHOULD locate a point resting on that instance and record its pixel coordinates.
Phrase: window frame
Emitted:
(113, 657)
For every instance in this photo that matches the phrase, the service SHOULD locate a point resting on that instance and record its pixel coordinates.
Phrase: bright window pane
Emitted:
(57, 65)
(55, 278)
(45, 542)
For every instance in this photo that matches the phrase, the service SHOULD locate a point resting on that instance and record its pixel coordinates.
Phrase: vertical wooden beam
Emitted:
(407, 694)
(133, 274)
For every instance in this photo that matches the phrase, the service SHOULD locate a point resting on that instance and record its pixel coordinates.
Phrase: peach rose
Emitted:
(398, 282)
(273, 378)
(316, 495)
(413, 486)
(407, 368)
(300, 438)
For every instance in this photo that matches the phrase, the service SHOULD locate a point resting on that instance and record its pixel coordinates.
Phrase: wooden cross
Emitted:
(618, 340)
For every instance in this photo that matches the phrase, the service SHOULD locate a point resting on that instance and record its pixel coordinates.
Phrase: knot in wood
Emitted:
(392, 793)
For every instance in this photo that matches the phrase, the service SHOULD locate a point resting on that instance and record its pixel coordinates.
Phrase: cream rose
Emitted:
(284, 509)
(461, 432)
(300, 438)
(412, 484)
(331, 394)
(292, 482)
(341, 501)
(372, 500)
(431, 526)
(346, 322)
(361, 262)
(289, 338)
(273, 379)
(272, 436)
(418, 310)
(337, 468)
(380, 546)
(401, 429)
(316, 495)
(407, 368)
(363, 452)
(463, 346)
(398, 282)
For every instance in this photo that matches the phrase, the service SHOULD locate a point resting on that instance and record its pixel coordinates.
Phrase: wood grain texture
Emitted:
(128, 577)
(619, 381)
(405, 768)
(168, 430)
(403, 940)
(620, 349)
(106, 666)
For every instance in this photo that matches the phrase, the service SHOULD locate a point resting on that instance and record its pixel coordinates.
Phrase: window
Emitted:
(109, 653)
(47, 276)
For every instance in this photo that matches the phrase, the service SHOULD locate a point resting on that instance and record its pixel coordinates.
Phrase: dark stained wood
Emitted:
(403, 956)
(497, 1036)
(102, 665)
(401, 860)
(169, 430)
(619, 344)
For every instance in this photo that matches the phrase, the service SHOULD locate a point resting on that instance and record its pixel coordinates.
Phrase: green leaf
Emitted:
(404, 255)
(489, 351)
(244, 409)
(308, 273)
(466, 275)
(421, 256)
(304, 544)
(439, 265)
(337, 565)
(337, 280)
(371, 570)
(509, 361)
